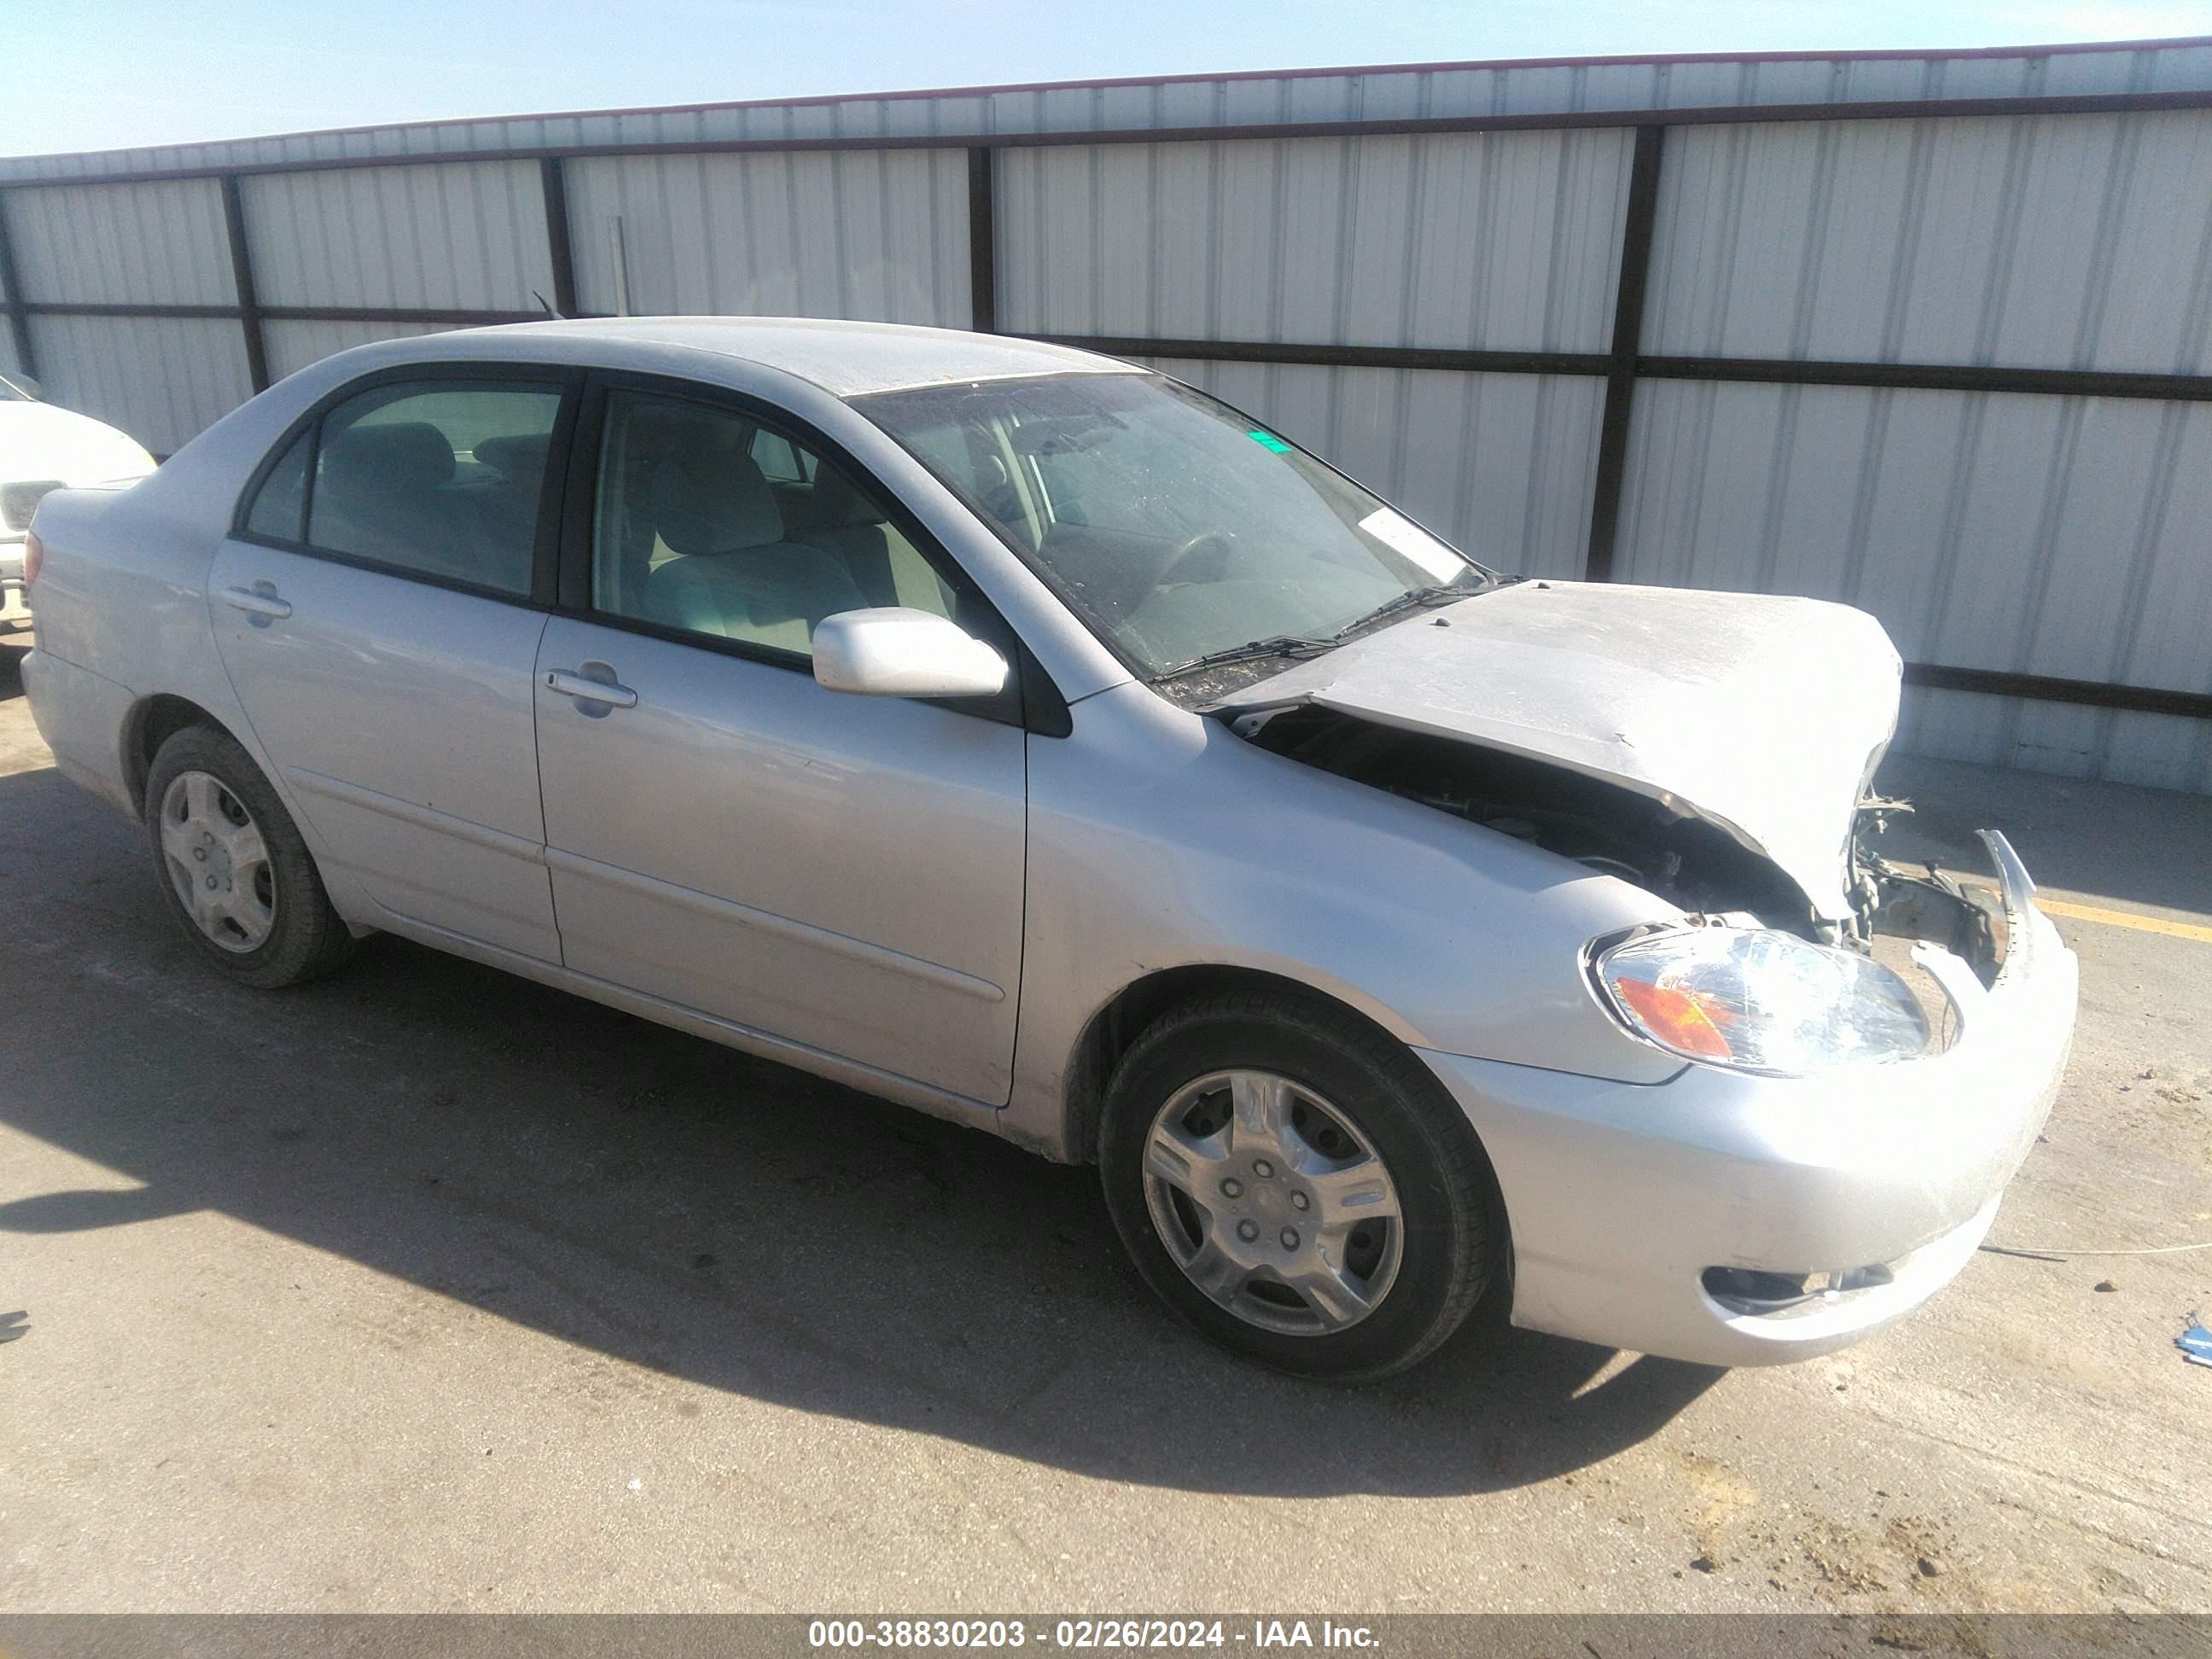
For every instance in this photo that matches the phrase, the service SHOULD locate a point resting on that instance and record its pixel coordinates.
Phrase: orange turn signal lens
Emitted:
(1682, 1019)
(1754, 999)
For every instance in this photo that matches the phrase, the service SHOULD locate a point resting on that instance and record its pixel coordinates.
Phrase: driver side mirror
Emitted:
(895, 651)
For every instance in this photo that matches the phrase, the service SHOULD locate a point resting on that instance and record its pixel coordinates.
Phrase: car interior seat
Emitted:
(883, 563)
(384, 490)
(733, 574)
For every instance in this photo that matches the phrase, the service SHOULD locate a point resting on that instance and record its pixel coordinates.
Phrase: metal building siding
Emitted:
(1520, 89)
(2020, 531)
(292, 345)
(160, 379)
(2159, 751)
(2034, 242)
(1507, 239)
(1498, 464)
(147, 243)
(463, 236)
(2044, 535)
(10, 363)
(877, 235)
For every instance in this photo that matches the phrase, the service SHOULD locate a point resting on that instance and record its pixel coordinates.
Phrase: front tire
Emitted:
(1296, 1186)
(234, 867)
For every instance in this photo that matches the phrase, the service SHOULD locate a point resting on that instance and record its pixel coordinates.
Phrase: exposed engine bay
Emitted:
(1663, 847)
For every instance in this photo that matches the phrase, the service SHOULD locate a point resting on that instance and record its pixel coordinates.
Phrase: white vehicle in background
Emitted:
(44, 447)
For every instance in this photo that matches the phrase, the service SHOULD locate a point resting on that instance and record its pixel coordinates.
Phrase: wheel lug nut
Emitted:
(1262, 1168)
(1232, 1187)
(200, 852)
(1289, 1238)
(1300, 1201)
(211, 884)
(1248, 1230)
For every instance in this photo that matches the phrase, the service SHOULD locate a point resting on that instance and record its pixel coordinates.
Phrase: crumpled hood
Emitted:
(40, 441)
(1762, 715)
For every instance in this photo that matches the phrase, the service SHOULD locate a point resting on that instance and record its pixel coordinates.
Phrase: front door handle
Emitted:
(258, 600)
(585, 688)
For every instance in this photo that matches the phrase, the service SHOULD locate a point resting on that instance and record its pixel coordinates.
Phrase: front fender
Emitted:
(1160, 840)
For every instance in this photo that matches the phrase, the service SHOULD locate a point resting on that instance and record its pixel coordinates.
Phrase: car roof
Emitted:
(845, 359)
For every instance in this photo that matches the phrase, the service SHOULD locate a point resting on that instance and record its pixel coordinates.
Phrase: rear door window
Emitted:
(437, 478)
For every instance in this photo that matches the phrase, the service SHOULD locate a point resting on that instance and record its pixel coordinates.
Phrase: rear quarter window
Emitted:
(280, 506)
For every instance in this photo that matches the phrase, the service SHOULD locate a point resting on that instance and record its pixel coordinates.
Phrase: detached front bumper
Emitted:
(1620, 1197)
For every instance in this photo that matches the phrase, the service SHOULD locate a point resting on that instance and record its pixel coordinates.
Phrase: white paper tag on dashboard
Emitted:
(1395, 530)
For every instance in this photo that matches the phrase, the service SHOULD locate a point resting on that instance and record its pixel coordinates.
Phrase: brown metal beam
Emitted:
(276, 313)
(1932, 377)
(1336, 356)
(983, 240)
(11, 291)
(1781, 371)
(241, 270)
(2044, 688)
(1636, 234)
(553, 176)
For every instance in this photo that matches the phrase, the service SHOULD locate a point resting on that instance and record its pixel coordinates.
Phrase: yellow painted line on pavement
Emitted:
(2201, 935)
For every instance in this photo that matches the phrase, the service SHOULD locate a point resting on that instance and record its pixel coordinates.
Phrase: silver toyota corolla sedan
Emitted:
(1032, 739)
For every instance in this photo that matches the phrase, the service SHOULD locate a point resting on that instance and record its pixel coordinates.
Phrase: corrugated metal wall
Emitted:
(876, 234)
(117, 244)
(9, 362)
(1524, 90)
(160, 379)
(1476, 241)
(2036, 534)
(1495, 240)
(2027, 532)
(469, 236)
(2030, 241)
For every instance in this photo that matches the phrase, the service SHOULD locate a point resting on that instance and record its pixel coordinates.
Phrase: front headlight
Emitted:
(1765, 1002)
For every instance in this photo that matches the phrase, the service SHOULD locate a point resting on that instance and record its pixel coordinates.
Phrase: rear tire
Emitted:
(1295, 1184)
(233, 866)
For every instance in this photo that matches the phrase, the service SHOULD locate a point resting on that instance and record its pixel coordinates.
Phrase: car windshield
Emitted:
(1175, 528)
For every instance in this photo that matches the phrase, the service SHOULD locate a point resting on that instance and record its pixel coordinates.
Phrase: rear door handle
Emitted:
(585, 689)
(259, 600)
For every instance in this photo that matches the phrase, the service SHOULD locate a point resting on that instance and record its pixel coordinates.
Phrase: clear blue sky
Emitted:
(99, 74)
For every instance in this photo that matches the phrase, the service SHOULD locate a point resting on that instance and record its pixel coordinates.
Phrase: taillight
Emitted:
(34, 555)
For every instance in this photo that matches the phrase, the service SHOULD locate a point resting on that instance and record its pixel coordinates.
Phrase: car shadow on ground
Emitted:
(688, 1209)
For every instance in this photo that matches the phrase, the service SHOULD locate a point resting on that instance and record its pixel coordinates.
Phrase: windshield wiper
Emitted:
(1299, 645)
(1455, 588)
(1275, 645)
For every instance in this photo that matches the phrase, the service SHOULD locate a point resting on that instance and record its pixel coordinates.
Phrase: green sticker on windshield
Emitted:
(1269, 441)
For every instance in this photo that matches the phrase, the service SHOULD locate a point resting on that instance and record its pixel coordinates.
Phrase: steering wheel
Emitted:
(1222, 544)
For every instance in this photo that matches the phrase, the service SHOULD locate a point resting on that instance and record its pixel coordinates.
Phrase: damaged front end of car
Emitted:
(1751, 974)
(1866, 1046)
(1660, 843)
